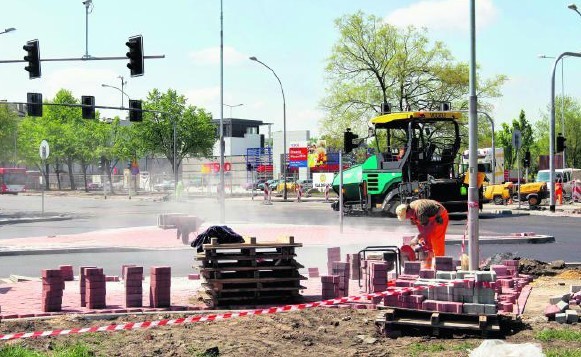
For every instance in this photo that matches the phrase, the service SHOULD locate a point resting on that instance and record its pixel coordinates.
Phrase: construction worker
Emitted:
(431, 218)
(559, 190)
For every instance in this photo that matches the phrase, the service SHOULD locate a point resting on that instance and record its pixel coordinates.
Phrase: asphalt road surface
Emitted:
(95, 213)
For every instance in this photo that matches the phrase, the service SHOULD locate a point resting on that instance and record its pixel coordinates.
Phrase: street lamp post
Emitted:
(574, 8)
(119, 89)
(283, 126)
(10, 29)
(221, 189)
(562, 100)
(232, 106)
(552, 129)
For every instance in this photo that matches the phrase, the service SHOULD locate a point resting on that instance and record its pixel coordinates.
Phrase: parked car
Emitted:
(271, 183)
(92, 186)
(305, 184)
(166, 185)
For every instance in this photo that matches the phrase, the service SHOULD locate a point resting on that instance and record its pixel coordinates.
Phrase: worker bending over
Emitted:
(431, 218)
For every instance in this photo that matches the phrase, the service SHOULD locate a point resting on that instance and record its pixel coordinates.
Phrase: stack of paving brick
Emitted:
(83, 288)
(53, 285)
(160, 286)
(341, 269)
(561, 308)
(333, 255)
(313, 272)
(95, 288)
(67, 272)
(444, 264)
(450, 291)
(133, 286)
(509, 285)
(330, 285)
(376, 276)
(354, 266)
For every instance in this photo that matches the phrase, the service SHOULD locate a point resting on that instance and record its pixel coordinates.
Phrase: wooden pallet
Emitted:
(250, 272)
(394, 322)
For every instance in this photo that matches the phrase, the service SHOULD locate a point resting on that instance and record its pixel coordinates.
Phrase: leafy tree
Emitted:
(374, 62)
(572, 116)
(8, 131)
(504, 139)
(195, 132)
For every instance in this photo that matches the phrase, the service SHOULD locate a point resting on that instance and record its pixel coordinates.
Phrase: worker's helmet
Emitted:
(400, 211)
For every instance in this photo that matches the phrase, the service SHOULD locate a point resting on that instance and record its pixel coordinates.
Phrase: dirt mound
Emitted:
(570, 274)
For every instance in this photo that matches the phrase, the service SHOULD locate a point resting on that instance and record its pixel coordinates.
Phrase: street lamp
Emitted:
(119, 89)
(562, 98)
(574, 8)
(552, 130)
(283, 125)
(232, 106)
(10, 29)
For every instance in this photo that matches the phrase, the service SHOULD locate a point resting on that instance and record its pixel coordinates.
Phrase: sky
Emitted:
(293, 37)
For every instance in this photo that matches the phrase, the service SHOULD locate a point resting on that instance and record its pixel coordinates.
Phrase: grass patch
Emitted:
(18, 351)
(560, 335)
(562, 352)
(425, 347)
(463, 346)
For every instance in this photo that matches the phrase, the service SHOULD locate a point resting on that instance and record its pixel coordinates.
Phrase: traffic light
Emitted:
(135, 55)
(135, 113)
(348, 138)
(527, 159)
(34, 104)
(561, 143)
(33, 58)
(88, 106)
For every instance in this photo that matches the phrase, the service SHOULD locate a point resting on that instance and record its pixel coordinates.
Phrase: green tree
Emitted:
(195, 132)
(572, 116)
(8, 133)
(504, 139)
(373, 62)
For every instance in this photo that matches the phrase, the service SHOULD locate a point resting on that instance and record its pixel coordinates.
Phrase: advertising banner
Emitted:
(320, 180)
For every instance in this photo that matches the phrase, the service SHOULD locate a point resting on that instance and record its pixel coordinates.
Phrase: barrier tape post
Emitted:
(327, 193)
(299, 193)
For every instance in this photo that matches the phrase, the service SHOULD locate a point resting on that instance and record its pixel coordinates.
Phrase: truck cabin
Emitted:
(417, 144)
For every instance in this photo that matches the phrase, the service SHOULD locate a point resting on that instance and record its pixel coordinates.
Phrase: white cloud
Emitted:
(443, 14)
(212, 56)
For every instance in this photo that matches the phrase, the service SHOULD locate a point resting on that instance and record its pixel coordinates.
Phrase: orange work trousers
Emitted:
(434, 233)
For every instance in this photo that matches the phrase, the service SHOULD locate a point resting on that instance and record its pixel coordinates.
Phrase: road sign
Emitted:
(43, 150)
(516, 139)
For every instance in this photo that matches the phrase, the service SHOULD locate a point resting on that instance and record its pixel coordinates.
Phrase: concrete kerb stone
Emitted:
(34, 219)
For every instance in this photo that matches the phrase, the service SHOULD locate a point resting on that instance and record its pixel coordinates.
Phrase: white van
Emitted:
(564, 175)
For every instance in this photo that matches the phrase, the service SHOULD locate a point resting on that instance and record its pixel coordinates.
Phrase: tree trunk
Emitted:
(58, 174)
(84, 169)
(71, 176)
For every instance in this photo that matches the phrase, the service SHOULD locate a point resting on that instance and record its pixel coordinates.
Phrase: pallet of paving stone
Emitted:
(402, 321)
(251, 271)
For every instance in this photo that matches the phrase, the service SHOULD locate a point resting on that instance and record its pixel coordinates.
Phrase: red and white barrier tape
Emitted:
(217, 317)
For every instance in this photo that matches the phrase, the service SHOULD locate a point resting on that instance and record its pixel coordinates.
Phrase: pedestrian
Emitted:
(431, 218)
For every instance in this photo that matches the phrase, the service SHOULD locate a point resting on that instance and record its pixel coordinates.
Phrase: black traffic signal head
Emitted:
(561, 143)
(348, 138)
(135, 113)
(527, 159)
(88, 102)
(135, 55)
(32, 49)
(34, 104)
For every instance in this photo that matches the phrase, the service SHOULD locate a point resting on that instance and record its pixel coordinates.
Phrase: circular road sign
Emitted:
(43, 150)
